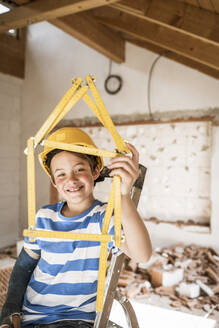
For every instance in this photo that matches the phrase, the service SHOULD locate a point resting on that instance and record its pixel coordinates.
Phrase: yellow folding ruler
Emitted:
(73, 95)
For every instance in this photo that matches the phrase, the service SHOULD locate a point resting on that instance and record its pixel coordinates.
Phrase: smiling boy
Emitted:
(60, 290)
(74, 180)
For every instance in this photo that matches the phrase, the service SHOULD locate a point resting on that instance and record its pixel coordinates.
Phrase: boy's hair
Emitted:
(92, 160)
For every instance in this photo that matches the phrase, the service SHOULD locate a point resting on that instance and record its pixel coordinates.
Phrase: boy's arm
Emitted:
(137, 243)
(20, 276)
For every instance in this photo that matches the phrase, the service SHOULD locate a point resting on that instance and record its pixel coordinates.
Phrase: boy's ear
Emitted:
(96, 172)
(52, 181)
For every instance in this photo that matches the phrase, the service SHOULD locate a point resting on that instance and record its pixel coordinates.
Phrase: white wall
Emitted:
(10, 96)
(53, 58)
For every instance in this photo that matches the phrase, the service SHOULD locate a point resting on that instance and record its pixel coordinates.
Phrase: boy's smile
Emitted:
(74, 180)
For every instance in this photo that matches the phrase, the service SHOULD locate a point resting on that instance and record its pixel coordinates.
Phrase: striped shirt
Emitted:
(64, 282)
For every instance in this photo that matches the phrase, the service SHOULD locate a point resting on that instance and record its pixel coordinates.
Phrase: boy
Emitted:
(54, 281)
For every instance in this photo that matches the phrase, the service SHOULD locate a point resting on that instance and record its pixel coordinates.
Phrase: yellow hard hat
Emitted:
(68, 135)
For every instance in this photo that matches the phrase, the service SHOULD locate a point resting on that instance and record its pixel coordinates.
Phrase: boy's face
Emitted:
(73, 178)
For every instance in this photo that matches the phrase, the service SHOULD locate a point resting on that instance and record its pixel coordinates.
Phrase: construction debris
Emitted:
(7, 260)
(205, 288)
(166, 276)
(191, 290)
(188, 275)
(4, 279)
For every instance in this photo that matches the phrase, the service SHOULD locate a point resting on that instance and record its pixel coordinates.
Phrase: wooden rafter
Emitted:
(99, 37)
(12, 54)
(20, 2)
(190, 31)
(169, 37)
(174, 15)
(212, 5)
(41, 10)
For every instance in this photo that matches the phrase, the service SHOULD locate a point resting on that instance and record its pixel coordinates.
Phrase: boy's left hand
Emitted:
(127, 168)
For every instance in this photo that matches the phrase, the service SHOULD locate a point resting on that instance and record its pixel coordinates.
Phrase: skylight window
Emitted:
(3, 9)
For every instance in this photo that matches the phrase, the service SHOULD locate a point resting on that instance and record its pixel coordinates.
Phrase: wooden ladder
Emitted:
(111, 290)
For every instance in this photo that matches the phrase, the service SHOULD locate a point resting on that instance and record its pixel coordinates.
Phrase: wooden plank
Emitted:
(179, 41)
(173, 56)
(176, 15)
(215, 4)
(137, 6)
(191, 2)
(12, 54)
(206, 4)
(40, 10)
(20, 2)
(210, 5)
(86, 29)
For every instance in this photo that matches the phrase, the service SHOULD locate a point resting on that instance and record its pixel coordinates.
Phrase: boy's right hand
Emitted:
(12, 321)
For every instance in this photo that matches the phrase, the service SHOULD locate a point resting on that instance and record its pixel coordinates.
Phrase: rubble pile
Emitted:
(7, 260)
(4, 279)
(188, 275)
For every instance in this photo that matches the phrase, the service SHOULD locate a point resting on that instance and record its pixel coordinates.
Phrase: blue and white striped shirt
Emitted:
(64, 282)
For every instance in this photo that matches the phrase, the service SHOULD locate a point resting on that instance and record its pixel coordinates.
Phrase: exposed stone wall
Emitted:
(178, 159)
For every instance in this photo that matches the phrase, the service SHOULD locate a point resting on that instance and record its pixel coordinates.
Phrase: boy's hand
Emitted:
(12, 321)
(127, 168)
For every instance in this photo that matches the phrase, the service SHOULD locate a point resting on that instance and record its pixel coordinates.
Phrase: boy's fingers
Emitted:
(135, 153)
(124, 159)
(16, 321)
(127, 167)
(134, 158)
(132, 171)
(125, 175)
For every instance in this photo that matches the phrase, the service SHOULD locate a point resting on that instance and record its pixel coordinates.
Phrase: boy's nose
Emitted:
(72, 177)
(70, 182)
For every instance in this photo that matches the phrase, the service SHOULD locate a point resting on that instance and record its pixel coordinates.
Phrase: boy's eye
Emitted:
(60, 175)
(80, 169)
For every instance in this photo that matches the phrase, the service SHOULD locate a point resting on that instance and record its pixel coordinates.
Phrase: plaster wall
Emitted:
(10, 95)
(53, 58)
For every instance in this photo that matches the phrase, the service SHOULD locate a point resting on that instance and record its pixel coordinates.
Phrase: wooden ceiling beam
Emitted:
(181, 42)
(12, 54)
(86, 29)
(211, 5)
(20, 2)
(41, 10)
(173, 56)
(174, 14)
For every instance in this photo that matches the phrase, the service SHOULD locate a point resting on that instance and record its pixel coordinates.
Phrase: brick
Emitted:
(164, 291)
(213, 275)
(161, 277)
(189, 290)
(205, 288)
